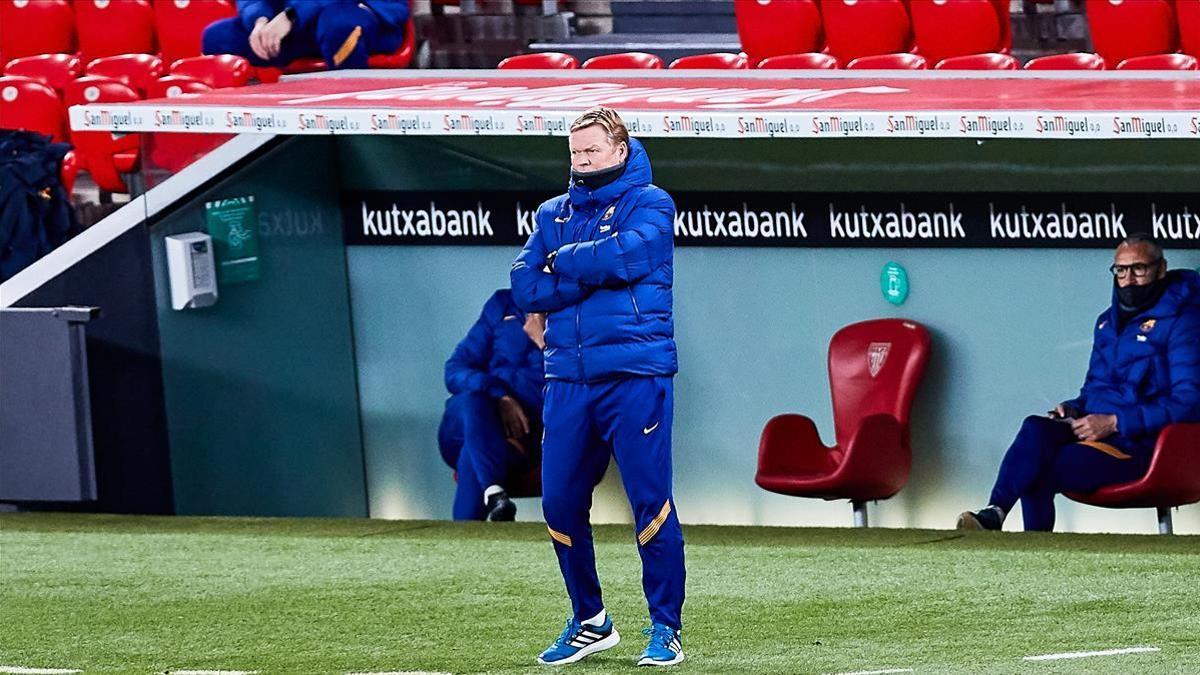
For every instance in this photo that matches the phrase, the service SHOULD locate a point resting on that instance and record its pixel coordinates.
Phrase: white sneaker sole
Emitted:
(597, 646)
(651, 662)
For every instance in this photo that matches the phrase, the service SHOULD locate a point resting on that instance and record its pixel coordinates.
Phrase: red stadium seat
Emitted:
(102, 154)
(944, 29)
(718, 61)
(111, 27)
(135, 70)
(889, 62)
(630, 60)
(874, 369)
(769, 28)
(217, 71)
(1187, 13)
(28, 104)
(36, 27)
(69, 170)
(1122, 29)
(855, 28)
(1160, 62)
(979, 62)
(52, 70)
(180, 23)
(1173, 478)
(1076, 61)
(540, 61)
(174, 85)
(809, 61)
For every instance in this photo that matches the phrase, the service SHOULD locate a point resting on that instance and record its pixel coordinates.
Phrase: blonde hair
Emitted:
(607, 119)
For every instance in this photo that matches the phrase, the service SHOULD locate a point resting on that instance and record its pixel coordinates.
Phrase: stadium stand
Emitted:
(36, 27)
(872, 398)
(28, 104)
(634, 60)
(889, 62)
(710, 62)
(137, 71)
(217, 71)
(1160, 62)
(979, 62)
(777, 28)
(854, 29)
(1124, 29)
(809, 61)
(946, 29)
(111, 27)
(53, 70)
(180, 23)
(102, 154)
(1080, 61)
(539, 61)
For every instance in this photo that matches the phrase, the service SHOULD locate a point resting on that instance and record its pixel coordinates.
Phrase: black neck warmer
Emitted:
(1133, 300)
(594, 180)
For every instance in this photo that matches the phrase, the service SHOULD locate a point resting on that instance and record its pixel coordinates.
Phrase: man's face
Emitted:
(1135, 266)
(591, 150)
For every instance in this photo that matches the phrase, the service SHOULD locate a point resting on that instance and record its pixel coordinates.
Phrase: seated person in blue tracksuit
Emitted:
(277, 32)
(1144, 375)
(492, 424)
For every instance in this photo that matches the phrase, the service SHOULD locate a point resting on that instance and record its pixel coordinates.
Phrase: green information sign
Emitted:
(233, 226)
(893, 281)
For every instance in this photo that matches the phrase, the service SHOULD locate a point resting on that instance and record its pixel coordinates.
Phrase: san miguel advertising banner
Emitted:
(852, 220)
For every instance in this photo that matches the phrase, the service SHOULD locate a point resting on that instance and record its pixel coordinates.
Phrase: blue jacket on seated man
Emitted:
(1144, 375)
(342, 32)
(491, 427)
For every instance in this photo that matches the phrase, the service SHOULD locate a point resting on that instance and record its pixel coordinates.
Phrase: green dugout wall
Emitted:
(317, 389)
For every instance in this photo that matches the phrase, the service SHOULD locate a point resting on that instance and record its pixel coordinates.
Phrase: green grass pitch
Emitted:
(148, 595)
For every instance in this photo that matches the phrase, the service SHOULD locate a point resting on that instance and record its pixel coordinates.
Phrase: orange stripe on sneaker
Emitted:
(1105, 448)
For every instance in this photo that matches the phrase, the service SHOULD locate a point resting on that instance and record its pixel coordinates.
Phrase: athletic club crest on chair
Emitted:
(877, 353)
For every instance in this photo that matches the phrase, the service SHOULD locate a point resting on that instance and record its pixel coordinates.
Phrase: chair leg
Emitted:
(860, 514)
(1164, 520)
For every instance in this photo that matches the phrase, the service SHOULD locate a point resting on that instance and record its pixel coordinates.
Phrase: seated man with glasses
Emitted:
(1144, 375)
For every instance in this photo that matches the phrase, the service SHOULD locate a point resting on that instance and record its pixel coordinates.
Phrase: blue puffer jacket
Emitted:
(392, 12)
(609, 296)
(1147, 372)
(497, 357)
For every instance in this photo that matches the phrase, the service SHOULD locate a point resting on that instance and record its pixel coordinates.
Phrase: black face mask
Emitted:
(1136, 298)
(594, 180)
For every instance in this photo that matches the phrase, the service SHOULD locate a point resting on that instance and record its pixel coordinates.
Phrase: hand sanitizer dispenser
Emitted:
(192, 270)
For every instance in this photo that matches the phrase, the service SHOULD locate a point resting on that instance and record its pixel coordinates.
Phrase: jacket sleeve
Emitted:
(643, 244)
(467, 367)
(252, 10)
(534, 289)
(394, 12)
(307, 11)
(1183, 403)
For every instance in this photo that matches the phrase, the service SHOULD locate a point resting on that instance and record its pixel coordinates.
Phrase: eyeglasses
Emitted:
(1139, 270)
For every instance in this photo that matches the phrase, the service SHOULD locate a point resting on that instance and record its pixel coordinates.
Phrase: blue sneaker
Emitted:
(664, 648)
(579, 640)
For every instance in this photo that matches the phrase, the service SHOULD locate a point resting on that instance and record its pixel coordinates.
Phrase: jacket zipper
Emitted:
(637, 313)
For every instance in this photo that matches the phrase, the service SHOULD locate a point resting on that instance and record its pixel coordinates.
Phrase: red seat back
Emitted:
(179, 24)
(978, 62)
(889, 62)
(943, 29)
(217, 71)
(855, 28)
(719, 61)
(1187, 14)
(809, 61)
(52, 70)
(28, 104)
(1125, 28)
(104, 155)
(1077, 61)
(110, 27)
(36, 27)
(1160, 62)
(638, 60)
(135, 70)
(1173, 478)
(875, 367)
(174, 85)
(773, 28)
(402, 56)
(540, 61)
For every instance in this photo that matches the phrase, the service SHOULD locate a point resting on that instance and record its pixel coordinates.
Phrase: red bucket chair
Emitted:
(874, 369)
(1172, 480)
(540, 61)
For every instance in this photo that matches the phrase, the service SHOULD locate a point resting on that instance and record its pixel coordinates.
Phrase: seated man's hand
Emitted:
(512, 417)
(1063, 411)
(267, 36)
(1094, 427)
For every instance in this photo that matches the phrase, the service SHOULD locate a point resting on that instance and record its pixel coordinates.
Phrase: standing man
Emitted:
(492, 425)
(1144, 374)
(599, 263)
(277, 32)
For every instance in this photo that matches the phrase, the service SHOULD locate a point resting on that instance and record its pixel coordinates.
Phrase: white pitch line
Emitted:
(18, 670)
(879, 672)
(1083, 655)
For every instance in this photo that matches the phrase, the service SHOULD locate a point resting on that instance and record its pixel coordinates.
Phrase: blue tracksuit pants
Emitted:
(472, 441)
(1046, 459)
(629, 418)
(323, 39)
